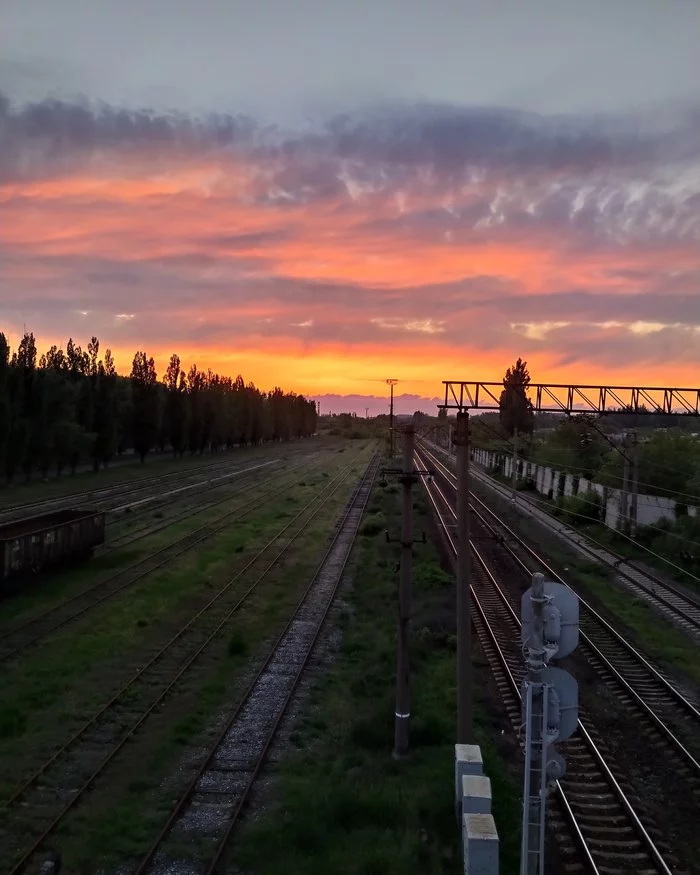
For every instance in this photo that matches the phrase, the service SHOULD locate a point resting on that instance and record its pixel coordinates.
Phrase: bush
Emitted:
(237, 645)
(13, 722)
(583, 509)
(678, 541)
(374, 525)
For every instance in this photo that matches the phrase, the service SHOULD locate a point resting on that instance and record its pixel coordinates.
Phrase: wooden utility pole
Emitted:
(464, 620)
(403, 668)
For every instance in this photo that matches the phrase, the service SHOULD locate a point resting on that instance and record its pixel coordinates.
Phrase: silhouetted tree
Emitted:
(515, 407)
(75, 408)
(145, 412)
(105, 409)
(176, 417)
(4, 398)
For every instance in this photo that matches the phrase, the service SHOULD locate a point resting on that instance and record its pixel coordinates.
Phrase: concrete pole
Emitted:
(624, 515)
(635, 487)
(514, 463)
(464, 622)
(403, 668)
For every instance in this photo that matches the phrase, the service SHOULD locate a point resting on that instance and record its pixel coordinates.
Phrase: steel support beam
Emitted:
(576, 398)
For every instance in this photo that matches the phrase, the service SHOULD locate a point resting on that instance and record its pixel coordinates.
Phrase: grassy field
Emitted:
(157, 465)
(50, 690)
(265, 487)
(339, 802)
(650, 632)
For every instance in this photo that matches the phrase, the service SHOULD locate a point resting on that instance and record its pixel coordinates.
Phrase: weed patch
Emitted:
(373, 525)
(237, 645)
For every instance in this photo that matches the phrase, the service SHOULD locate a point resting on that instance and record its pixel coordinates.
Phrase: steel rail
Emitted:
(181, 545)
(187, 794)
(320, 500)
(625, 804)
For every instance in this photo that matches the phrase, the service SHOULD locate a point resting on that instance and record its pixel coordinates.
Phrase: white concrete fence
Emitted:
(555, 484)
(473, 809)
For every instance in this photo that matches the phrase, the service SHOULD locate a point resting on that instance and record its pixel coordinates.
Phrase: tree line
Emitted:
(71, 407)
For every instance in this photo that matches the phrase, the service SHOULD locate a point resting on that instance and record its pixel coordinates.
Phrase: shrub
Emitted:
(374, 525)
(581, 509)
(237, 645)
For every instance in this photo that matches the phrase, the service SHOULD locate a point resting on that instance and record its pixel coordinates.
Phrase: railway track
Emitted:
(217, 794)
(608, 832)
(677, 604)
(205, 488)
(145, 494)
(41, 803)
(16, 639)
(604, 645)
(114, 492)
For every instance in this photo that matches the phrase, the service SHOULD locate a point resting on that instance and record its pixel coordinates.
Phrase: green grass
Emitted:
(133, 800)
(53, 588)
(49, 690)
(340, 802)
(158, 464)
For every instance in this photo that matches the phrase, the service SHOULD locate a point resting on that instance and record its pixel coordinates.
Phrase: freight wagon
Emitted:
(32, 545)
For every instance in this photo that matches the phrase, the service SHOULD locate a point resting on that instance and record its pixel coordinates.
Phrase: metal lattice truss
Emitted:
(560, 398)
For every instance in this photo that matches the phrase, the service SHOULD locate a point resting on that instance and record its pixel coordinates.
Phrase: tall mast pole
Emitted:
(391, 417)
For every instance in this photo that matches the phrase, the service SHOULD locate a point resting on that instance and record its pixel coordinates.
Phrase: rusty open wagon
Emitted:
(32, 545)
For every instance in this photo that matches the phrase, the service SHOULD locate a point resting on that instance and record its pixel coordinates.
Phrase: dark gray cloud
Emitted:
(608, 180)
(55, 135)
(451, 140)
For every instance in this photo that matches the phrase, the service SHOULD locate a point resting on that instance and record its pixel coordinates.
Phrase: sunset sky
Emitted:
(322, 194)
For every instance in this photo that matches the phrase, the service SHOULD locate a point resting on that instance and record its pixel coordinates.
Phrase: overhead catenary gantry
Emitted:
(576, 398)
